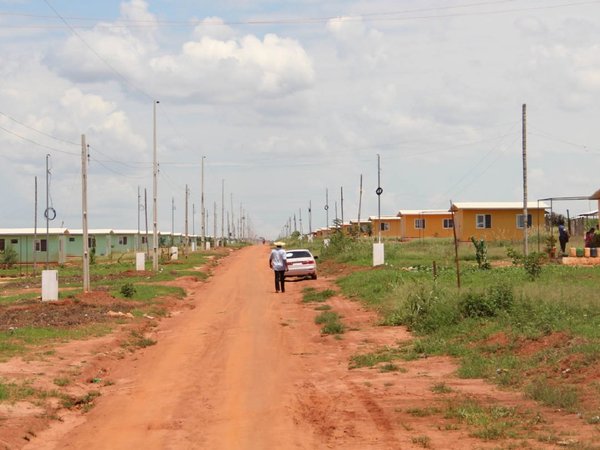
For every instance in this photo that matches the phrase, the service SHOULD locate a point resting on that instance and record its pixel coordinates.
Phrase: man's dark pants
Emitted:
(280, 280)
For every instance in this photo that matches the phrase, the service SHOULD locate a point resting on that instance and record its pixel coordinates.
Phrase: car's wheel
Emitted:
(314, 276)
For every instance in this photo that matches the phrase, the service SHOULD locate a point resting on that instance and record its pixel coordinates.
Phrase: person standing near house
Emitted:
(563, 236)
(278, 262)
(589, 237)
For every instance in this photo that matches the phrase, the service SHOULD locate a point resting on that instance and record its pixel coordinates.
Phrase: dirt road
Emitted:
(247, 368)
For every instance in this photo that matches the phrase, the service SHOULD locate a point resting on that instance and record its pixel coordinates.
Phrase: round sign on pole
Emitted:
(379, 191)
(50, 213)
(326, 207)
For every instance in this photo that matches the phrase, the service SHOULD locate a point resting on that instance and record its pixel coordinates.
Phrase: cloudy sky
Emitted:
(288, 99)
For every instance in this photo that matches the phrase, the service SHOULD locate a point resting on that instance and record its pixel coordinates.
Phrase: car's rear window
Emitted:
(299, 254)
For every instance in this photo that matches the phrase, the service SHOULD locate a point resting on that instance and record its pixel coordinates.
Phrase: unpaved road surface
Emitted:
(246, 368)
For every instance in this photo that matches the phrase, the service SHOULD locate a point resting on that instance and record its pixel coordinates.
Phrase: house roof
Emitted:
(31, 231)
(388, 218)
(422, 212)
(595, 195)
(497, 205)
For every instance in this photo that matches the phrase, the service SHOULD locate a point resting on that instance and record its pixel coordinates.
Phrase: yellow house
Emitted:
(418, 224)
(388, 225)
(495, 220)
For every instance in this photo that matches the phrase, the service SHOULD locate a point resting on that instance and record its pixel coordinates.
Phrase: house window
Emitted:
(384, 226)
(91, 242)
(14, 241)
(448, 223)
(520, 221)
(71, 239)
(483, 221)
(123, 240)
(41, 245)
(2, 245)
(420, 224)
(144, 240)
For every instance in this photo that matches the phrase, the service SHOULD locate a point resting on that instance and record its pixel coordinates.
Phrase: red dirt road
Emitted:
(247, 368)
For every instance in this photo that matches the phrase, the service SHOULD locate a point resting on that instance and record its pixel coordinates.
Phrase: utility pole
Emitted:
(300, 219)
(336, 222)
(146, 219)
(215, 223)
(172, 221)
(47, 214)
(223, 211)
(525, 215)
(86, 250)
(35, 218)
(154, 196)
(295, 227)
(193, 219)
(360, 193)
(202, 210)
(309, 218)
(342, 204)
(139, 209)
(232, 219)
(327, 208)
(187, 236)
(379, 192)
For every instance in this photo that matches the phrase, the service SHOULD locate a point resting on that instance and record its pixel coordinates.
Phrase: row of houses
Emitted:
(489, 221)
(60, 244)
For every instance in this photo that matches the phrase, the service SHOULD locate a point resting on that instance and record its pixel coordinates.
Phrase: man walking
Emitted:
(278, 262)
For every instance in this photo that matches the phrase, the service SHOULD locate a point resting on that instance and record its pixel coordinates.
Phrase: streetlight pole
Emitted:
(154, 195)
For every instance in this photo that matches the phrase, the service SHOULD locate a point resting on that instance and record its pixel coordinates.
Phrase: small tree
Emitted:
(481, 253)
(9, 257)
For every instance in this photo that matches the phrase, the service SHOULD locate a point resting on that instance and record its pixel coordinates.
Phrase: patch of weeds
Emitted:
(138, 340)
(128, 290)
(10, 391)
(441, 388)
(389, 367)
(85, 402)
(490, 422)
(331, 323)
(317, 296)
(323, 308)
(558, 396)
(423, 412)
(423, 441)
(62, 381)
(383, 355)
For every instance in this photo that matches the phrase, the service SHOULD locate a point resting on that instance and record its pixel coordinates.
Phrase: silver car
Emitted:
(301, 263)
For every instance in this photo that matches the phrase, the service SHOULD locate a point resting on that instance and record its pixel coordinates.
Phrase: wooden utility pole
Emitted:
(342, 204)
(202, 209)
(146, 219)
(86, 250)
(379, 198)
(215, 224)
(455, 247)
(154, 196)
(360, 193)
(138, 244)
(327, 208)
(525, 215)
(310, 217)
(223, 211)
(187, 236)
(172, 221)
(35, 217)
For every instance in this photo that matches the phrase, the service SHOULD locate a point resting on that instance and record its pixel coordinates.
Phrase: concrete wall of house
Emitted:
(503, 224)
(23, 245)
(393, 228)
(434, 226)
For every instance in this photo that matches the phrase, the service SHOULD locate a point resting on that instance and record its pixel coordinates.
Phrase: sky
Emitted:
(289, 101)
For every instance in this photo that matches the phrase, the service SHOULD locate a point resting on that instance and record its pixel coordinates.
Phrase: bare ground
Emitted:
(237, 366)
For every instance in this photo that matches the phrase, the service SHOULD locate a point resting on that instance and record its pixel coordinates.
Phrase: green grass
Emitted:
(564, 397)
(331, 323)
(148, 292)
(383, 355)
(500, 302)
(19, 340)
(311, 295)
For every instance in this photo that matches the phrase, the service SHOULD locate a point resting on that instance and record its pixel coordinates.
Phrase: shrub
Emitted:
(128, 290)
(427, 309)
(481, 253)
(532, 263)
(9, 257)
(489, 303)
